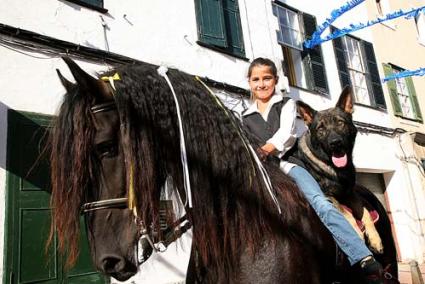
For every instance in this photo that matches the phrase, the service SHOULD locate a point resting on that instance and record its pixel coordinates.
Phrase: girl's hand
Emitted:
(269, 148)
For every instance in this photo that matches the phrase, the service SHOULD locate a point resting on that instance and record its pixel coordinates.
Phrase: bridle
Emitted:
(146, 243)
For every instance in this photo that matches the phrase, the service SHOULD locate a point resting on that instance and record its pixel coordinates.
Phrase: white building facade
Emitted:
(212, 39)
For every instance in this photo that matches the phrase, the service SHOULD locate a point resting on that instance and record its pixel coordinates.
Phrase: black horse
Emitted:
(116, 142)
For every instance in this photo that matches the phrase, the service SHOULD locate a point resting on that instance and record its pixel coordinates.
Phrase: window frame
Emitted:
(299, 31)
(353, 70)
(393, 90)
(309, 73)
(373, 81)
(86, 4)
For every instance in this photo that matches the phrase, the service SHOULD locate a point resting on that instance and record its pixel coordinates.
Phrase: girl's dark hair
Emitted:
(260, 61)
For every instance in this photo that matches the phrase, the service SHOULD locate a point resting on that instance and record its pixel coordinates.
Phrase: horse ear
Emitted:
(93, 86)
(67, 84)
(345, 101)
(306, 112)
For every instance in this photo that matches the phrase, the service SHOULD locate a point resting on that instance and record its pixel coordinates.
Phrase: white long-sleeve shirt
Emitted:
(289, 130)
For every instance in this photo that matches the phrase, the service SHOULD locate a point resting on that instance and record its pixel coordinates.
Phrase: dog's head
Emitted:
(332, 131)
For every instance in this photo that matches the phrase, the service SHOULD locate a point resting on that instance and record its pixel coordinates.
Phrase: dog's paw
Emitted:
(377, 248)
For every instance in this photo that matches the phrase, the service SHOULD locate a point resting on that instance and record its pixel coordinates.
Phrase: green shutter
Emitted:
(97, 3)
(28, 210)
(344, 76)
(233, 27)
(374, 82)
(312, 58)
(211, 26)
(392, 90)
(413, 98)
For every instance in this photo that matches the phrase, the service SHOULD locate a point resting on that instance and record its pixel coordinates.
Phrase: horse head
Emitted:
(88, 129)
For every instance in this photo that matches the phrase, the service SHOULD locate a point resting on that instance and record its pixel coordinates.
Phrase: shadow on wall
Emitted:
(23, 146)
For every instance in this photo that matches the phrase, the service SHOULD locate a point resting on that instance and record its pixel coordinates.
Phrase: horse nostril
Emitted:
(112, 264)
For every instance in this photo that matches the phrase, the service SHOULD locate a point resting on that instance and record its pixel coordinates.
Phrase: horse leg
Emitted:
(371, 233)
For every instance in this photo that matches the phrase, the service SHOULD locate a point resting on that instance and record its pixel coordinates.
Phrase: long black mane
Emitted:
(232, 209)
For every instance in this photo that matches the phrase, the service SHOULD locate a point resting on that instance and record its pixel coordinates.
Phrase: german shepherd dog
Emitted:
(326, 151)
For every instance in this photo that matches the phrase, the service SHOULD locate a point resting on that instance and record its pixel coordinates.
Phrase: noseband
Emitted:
(146, 242)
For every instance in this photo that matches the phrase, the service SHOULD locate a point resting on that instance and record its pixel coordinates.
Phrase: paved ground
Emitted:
(405, 273)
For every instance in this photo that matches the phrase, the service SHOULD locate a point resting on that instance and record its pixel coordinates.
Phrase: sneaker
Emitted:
(372, 271)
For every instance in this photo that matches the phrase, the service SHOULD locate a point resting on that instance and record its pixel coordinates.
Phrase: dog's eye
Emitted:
(320, 130)
(341, 122)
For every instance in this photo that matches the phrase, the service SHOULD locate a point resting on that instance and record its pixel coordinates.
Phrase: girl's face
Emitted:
(262, 82)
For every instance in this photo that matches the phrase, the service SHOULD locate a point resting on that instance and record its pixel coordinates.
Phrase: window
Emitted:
(402, 94)
(357, 68)
(219, 26)
(303, 67)
(92, 4)
(420, 25)
(289, 28)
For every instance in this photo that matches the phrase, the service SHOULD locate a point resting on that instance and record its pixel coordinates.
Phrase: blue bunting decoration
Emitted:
(407, 73)
(316, 37)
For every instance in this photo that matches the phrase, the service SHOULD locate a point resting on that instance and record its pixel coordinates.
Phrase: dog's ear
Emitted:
(345, 101)
(306, 112)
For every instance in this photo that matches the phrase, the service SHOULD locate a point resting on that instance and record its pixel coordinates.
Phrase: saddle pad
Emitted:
(373, 214)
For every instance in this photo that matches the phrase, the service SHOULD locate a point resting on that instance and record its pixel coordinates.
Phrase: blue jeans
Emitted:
(345, 236)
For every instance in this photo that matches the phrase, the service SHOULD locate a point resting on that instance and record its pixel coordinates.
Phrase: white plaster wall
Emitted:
(32, 84)
(407, 195)
(374, 153)
(164, 32)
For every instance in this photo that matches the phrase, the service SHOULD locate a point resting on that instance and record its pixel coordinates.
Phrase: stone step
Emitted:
(405, 274)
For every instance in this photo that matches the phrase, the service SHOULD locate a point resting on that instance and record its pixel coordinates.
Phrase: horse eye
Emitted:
(107, 149)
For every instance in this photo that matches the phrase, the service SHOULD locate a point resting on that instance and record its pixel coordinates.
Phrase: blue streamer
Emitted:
(316, 39)
(407, 73)
(336, 13)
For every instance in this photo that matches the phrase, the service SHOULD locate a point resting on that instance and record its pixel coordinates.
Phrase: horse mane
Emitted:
(232, 209)
(70, 162)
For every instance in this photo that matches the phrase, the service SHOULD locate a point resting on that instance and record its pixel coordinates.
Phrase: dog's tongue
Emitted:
(340, 162)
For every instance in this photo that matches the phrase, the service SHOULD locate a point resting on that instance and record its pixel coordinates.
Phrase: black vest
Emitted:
(263, 130)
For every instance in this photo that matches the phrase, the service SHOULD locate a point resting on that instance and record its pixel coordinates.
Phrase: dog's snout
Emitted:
(335, 141)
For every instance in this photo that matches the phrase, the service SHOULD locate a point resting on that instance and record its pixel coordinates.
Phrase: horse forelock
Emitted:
(71, 171)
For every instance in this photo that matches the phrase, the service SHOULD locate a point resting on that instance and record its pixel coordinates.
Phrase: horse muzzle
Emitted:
(117, 267)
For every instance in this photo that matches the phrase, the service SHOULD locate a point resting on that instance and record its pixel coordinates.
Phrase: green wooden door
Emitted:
(28, 213)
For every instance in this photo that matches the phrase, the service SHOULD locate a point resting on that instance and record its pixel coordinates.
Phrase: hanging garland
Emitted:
(406, 73)
(316, 38)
